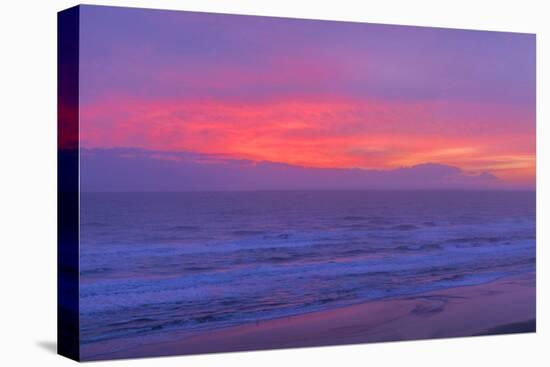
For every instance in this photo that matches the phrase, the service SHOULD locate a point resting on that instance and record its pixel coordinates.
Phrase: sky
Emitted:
(307, 93)
(127, 169)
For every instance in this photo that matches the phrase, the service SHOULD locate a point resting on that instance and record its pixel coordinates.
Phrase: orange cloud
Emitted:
(334, 132)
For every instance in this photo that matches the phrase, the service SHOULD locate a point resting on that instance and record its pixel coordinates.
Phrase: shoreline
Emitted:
(503, 306)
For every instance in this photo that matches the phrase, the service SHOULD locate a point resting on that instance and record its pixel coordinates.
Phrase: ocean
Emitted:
(151, 263)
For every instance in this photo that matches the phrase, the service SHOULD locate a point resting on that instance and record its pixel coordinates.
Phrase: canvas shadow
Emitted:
(48, 345)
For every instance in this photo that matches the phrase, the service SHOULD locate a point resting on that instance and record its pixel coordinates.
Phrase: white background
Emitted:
(28, 183)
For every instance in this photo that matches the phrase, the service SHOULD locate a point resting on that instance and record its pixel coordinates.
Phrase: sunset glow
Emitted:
(343, 95)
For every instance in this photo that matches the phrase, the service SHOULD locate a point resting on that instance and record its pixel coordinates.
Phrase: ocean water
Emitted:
(158, 262)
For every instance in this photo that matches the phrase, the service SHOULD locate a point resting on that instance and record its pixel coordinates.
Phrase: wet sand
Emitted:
(501, 307)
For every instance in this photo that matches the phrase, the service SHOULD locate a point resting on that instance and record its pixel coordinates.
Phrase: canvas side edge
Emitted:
(68, 335)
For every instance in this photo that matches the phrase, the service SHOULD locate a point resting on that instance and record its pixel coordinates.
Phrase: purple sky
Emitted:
(308, 93)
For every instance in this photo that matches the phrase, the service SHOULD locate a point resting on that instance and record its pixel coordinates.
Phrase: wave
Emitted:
(184, 228)
(404, 227)
(215, 265)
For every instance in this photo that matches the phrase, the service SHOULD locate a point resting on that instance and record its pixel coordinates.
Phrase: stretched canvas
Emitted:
(232, 183)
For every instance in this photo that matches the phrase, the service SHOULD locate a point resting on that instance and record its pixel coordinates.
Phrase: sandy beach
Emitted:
(486, 309)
